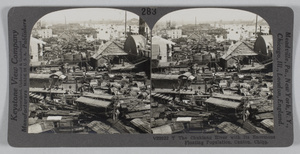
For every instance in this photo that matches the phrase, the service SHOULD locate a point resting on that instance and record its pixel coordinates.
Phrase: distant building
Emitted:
(242, 32)
(234, 34)
(239, 32)
(107, 51)
(68, 36)
(161, 49)
(90, 37)
(194, 36)
(220, 38)
(192, 28)
(109, 32)
(200, 37)
(44, 33)
(174, 33)
(236, 54)
(104, 33)
(36, 49)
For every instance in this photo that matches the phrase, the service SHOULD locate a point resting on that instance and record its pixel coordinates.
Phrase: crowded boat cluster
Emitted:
(190, 78)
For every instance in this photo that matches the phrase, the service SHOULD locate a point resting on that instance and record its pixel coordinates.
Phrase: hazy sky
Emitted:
(207, 14)
(86, 14)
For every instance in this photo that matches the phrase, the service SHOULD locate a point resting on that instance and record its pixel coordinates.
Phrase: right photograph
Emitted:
(212, 73)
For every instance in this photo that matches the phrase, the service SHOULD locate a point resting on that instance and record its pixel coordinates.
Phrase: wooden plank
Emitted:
(98, 96)
(142, 125)
(268, 123)
(42, 90)
(247, 125)
(40, 127)
(224, 96)
(62, 113)
(141, 114)
(231, 128)
(94, 102)
(268, 115)
(165, 129)
(171, 91)
(223, 103)
(164, 77)
(101, 128)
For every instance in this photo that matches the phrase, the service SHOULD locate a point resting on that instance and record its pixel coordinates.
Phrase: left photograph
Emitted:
(90, 73)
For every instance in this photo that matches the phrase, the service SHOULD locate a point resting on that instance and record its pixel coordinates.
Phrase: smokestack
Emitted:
(142, 27)
(147, 34)
(256, 25)
(260, 29)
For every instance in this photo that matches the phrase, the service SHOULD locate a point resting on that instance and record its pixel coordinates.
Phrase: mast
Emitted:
(125, 22)
(195, 25)
(256, 25)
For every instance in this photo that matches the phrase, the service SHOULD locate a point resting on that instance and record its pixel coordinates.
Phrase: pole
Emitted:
(256, 25)
(125, 23)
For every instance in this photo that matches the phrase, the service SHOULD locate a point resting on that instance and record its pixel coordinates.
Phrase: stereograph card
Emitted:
(150, 76)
